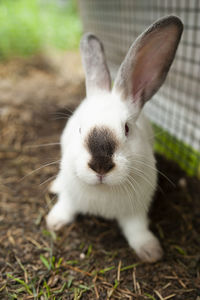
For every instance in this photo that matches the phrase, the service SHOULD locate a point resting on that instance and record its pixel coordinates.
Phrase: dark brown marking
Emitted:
(102, 144)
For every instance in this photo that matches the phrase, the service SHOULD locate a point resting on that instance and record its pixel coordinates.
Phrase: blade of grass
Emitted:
(45, 262)
(106, 269)
(22, 282)
(149, 296)
(129, 267)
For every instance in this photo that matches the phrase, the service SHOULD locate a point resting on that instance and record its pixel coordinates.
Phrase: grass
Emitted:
(178, 151)
(69, 284)
(27, 27)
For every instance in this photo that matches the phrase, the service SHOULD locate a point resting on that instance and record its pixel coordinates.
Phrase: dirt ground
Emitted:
(89, 259)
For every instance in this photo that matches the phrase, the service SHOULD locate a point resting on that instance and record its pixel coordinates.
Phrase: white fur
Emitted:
(127, 190)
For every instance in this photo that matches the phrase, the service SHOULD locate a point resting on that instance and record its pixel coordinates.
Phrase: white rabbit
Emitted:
(108, 166)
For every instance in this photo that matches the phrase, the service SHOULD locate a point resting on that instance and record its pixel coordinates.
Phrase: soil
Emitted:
(90, 258)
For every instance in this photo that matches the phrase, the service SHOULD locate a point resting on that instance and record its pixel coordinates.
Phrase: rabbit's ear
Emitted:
(148, 60)
(94, 64)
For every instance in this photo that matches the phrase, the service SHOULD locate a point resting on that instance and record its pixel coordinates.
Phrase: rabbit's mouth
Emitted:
(101, 178)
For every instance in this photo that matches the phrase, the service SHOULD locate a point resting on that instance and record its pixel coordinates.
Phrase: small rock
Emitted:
(182, 183)
(82, 255)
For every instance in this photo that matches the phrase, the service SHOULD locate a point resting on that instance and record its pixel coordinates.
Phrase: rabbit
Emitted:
(108, 167)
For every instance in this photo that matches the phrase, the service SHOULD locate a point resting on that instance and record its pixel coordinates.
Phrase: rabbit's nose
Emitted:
(100, 178)
(101, 167)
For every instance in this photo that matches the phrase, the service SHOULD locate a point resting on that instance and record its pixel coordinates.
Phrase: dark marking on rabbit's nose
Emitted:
(102, 144)
(101, 165)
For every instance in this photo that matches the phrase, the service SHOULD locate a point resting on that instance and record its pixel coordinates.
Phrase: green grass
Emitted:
(176, 150)
(27, 27)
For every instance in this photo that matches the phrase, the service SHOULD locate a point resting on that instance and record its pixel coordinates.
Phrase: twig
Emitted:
(95, 287)
(134, 280)
(159, 295)
(170, 296)
(179, 280)
(119, 270)
(77, 269)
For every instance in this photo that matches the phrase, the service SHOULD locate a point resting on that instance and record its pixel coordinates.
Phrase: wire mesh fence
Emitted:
(175, 109)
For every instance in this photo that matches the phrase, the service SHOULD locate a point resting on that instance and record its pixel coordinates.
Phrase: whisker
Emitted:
(47, 180)
(42, 145)
(59, 113)
(60, 118)
(129, 179)
(68, 109)
(161, 173)
(140, 173)
(155, 135)
(140, 195)
(147, 180)
(130, 200)
(43, 166)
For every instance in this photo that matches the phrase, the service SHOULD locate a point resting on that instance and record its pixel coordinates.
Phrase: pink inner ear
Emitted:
(151, 63)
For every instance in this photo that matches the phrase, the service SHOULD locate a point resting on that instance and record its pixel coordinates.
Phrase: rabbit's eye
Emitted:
(126, 129)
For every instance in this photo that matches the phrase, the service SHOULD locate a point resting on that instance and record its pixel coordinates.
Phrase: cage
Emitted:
(175, 110)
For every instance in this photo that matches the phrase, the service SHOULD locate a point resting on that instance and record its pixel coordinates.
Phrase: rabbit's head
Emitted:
(110, 139)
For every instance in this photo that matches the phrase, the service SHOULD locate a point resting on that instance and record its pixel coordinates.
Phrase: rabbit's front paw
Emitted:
(58, 217)
(150, 251)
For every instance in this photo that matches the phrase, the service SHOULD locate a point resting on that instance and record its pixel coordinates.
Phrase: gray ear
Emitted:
(147, 62)
(94, 64)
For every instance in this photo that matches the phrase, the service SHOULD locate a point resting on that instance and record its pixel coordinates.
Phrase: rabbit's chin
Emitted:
(107, 180)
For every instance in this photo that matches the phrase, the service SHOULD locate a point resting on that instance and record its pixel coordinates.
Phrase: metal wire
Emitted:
(175, 109)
